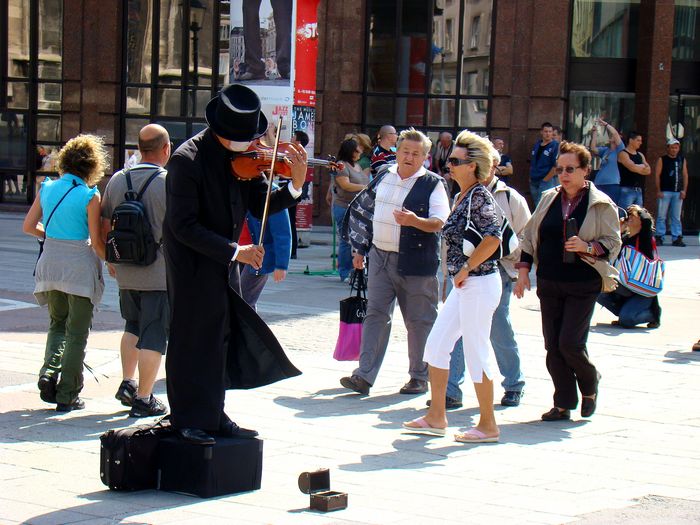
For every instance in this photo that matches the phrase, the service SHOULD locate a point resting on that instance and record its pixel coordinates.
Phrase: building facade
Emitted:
(498, 67)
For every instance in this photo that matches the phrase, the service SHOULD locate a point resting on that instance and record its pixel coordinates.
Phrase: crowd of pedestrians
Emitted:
(394, 200)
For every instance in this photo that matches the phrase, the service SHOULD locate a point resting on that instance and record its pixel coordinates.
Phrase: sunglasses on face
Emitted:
(568, 169)
(458, 162)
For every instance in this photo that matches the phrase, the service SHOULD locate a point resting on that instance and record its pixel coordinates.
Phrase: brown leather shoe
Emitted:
(356, 383)
(556, 415)
(414, 386)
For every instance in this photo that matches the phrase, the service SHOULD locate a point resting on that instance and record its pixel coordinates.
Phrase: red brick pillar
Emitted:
(653, 83)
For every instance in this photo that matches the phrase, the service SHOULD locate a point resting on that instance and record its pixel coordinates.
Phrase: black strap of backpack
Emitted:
(144, 186)
(46, 225)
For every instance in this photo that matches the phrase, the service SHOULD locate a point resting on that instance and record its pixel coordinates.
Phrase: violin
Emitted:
(249, 164)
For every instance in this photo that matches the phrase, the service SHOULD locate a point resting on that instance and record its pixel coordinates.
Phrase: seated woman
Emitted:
(630, 307)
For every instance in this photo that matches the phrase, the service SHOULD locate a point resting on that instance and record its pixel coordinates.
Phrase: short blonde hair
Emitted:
(479, 150)
(84, 156)
(416, 136)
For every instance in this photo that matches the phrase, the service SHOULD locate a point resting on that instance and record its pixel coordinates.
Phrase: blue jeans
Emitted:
(538, 187)
(504, 346)
(630, 196)
(612, 191)
(672, 200)
(344, 249)
(631, 311)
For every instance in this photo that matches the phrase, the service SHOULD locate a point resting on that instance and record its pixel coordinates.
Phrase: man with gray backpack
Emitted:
(133, 209)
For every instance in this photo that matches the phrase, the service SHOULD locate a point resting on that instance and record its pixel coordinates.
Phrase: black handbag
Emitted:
(472, 237)
(352, 313)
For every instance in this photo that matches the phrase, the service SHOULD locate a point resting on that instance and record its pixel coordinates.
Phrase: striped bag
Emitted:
(638, 273)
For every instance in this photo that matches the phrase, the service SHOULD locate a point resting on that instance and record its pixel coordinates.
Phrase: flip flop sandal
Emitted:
(423, 428)
(475, 436)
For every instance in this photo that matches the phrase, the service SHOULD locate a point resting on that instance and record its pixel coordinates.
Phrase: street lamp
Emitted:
(197, 11)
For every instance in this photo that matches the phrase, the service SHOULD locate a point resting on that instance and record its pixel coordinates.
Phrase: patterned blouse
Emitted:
(485, 218)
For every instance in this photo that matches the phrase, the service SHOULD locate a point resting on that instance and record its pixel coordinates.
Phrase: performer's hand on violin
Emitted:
(296, 158)
(251, 254)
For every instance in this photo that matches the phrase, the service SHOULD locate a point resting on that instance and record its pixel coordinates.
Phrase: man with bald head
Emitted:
(143, 295)
(385, 150)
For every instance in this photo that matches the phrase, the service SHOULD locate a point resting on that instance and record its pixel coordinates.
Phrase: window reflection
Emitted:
(139, 41)
(18, 39)
(586, 106)
(382, 51)
(170, 43)
(441, 112)
(476, 48)
(413, 47)
(605, 28)
(409, 111)
(444, 51)
(473, 113)
(686, 30)
(379, 111)
(50, 39)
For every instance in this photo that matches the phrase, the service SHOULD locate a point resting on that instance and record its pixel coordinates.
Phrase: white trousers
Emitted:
(467, 313)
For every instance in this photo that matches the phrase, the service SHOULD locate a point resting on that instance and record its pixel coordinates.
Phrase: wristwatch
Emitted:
(589, 249)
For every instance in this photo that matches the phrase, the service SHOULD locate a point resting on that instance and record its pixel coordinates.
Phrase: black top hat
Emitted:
(234, 114)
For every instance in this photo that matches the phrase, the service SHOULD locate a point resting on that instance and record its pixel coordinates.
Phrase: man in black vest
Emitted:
(407, 208)
(217, 341)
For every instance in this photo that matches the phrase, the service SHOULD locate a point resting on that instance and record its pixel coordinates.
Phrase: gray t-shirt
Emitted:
(355, 175)
(131, 277)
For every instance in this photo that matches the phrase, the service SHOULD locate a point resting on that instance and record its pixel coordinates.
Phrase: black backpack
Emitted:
(131, 239)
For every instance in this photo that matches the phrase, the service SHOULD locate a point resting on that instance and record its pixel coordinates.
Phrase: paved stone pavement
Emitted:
(637, 460)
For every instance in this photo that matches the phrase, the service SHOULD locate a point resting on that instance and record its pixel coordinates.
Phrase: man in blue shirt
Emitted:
(542, 162)
(607, 179)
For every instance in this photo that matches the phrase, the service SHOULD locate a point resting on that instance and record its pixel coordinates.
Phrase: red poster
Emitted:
(305, 53)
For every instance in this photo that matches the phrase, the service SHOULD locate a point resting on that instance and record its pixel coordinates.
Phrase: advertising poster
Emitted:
(273, 46)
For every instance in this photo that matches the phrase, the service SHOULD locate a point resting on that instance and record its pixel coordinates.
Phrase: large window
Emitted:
(172, 65)
(587, 106)
(605, 28)
(686, 30)
(31, 94)
(428, 64)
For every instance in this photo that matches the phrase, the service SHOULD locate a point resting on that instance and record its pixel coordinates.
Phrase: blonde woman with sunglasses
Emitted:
(572, 269)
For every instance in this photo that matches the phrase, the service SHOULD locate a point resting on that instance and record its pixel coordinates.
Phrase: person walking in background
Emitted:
(469, 308)
(347, 183)
(543, 159)
(443, 150)
(143, 296)
(385, 150)
(568, 286)
(300, 138)
(630, 307)
(671, 176)
(633, 167)
(504, 170)
(277, 245)
(607, 179)
(66, 216)
(396, 222)
(365, 144)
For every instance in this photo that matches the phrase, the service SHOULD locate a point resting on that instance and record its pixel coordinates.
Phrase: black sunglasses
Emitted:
(458, 162)
(568, 169)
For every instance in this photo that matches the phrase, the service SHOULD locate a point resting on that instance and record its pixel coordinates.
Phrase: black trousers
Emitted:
(566, 310)
(282, 14)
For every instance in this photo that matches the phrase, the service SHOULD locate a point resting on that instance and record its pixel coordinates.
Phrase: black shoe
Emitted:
(47, 389)
(230, 429)
(77, 404)
(152, 407)
(414, 386)
(126, 392)
(678, 242)
(588, 405)
(450, 403)
(659, 240)
(356, 383)
(556, 415)
(653, 324)
(511, 398)
(195, 436)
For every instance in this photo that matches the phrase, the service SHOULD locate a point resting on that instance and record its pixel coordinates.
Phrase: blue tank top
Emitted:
(70, 222)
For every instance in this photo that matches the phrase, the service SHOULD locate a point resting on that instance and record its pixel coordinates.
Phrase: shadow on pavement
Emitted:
(681, 358)
(411, 450)
(337, 402)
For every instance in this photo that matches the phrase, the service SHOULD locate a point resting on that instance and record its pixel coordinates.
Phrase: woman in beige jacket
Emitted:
(571, 272)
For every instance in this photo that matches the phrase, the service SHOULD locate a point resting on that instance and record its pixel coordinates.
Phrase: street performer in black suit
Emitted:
(217, 341)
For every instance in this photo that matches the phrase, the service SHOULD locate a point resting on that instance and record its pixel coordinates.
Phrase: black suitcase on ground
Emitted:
(129, 456)
(231, 465)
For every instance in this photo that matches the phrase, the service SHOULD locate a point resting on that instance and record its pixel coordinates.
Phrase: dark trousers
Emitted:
(282, 14)
(292, 210)
(566, 310)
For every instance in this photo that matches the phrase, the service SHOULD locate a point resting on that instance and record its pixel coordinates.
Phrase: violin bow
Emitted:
(263, 223)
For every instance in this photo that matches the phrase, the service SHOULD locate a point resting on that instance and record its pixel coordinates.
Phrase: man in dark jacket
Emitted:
(217, 341)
